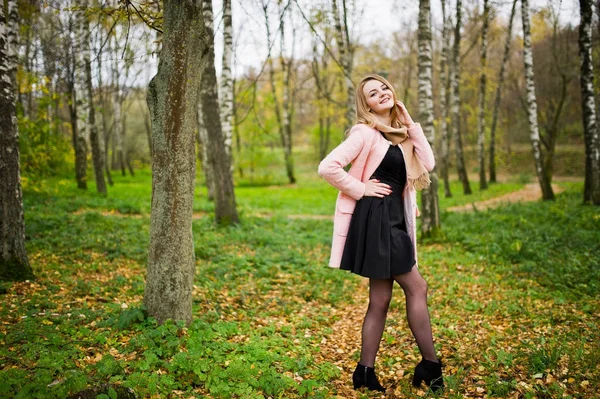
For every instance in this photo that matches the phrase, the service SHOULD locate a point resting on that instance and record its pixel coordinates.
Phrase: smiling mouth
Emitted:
(384, 100)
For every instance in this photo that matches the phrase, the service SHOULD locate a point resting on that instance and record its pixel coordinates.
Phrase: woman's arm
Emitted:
(332, 167)
(415, 132)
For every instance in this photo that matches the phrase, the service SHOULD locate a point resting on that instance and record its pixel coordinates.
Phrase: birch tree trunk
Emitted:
(226, 89)
(80, 103)
(346, 58)
(95, 139)
(14, 264)
(445, 79)
(430, 214)
(172, 100)
(117, 102)
(590, 125)
(499, 93)
(225, 207)
(534, 134)
(460, 162)
(202, 139)
(482, 87)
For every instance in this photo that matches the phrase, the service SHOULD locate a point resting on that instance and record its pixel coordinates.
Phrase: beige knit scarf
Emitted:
(417, 175)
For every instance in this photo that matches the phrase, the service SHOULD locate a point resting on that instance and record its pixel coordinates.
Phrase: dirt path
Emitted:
(531, 192)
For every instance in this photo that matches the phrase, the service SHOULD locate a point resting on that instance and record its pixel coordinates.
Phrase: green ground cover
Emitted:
(514, 300)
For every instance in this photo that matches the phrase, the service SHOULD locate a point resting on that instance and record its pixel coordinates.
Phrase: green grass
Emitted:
(513, 299)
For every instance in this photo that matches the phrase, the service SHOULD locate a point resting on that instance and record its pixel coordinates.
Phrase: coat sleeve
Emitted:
(332, 167)
(422, 147)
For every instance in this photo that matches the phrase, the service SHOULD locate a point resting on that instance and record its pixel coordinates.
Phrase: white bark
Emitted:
(81, 99)
(482, 89)
(429, 197)
(14, 263)
(346, 58)
(590, 120)
(226, 88)
(534, 134)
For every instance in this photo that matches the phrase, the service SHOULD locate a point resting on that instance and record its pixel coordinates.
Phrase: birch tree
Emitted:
(429, 197)
(14, 263)
(534, 135)
(85, 64)
(482, 87)
(217, 157)
(80, 105)
(346, 50)
(172, 100)
(590, 124)
(226, 87)
(445, 87)
(498, 97)
(460, 162)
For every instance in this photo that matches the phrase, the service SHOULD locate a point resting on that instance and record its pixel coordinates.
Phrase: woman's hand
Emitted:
(405, 118)
(373, 188)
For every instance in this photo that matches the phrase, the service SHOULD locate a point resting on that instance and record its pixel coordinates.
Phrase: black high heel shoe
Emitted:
(365, 377)
(431, 373)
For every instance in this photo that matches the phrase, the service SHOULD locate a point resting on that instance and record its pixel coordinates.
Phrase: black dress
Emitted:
(378, 245)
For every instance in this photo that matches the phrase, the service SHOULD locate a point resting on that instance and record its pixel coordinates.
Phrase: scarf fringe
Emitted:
(421, 182)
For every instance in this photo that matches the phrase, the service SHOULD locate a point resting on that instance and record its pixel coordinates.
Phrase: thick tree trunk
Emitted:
(226, 88)
(14, 264)
(499, 94)
(445, 86)
(172, 99)
(225, 207)
(547, 193)
(342, 37)
(458, 147)
(590, 123)
(430, 212)
(86, 64)
(482, 87)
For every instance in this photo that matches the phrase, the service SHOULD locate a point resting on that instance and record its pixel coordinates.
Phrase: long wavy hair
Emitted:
(363, 114)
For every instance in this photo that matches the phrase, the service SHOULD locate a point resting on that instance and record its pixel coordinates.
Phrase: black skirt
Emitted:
(378, 245)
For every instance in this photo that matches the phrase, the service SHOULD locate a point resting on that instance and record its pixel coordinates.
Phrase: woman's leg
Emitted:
(380, 294)
(415, 290)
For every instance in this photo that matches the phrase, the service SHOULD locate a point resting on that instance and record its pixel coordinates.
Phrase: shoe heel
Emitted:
(417, 379)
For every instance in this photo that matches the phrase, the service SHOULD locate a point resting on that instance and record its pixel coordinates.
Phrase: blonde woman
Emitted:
(375, 220)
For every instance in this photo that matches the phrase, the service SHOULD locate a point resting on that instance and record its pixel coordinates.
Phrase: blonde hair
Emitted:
(363, 114)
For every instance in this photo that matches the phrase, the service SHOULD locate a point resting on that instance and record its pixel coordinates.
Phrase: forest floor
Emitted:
(513, 300)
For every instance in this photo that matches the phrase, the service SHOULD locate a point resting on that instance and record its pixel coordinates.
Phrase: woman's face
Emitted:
(380, 98)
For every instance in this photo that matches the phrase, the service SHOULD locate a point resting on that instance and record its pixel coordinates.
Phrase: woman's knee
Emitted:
(380, 302)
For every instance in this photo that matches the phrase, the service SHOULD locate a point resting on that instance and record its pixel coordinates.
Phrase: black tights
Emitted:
(380, 294)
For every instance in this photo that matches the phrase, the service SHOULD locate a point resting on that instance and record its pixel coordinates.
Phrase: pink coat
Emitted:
(365, 148)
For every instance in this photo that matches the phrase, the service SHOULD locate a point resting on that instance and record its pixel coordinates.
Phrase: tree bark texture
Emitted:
(202, 139)
(81, 104)
(590, 123)
(172, 99)
(86, 64)
(499, 93)
(534, 134)
(346, 58)
(445, 79)
(117, 102)
(226, 88)
(460, 162)
(14, 264)
(225, 206)
(430, 213)
(482, 87)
